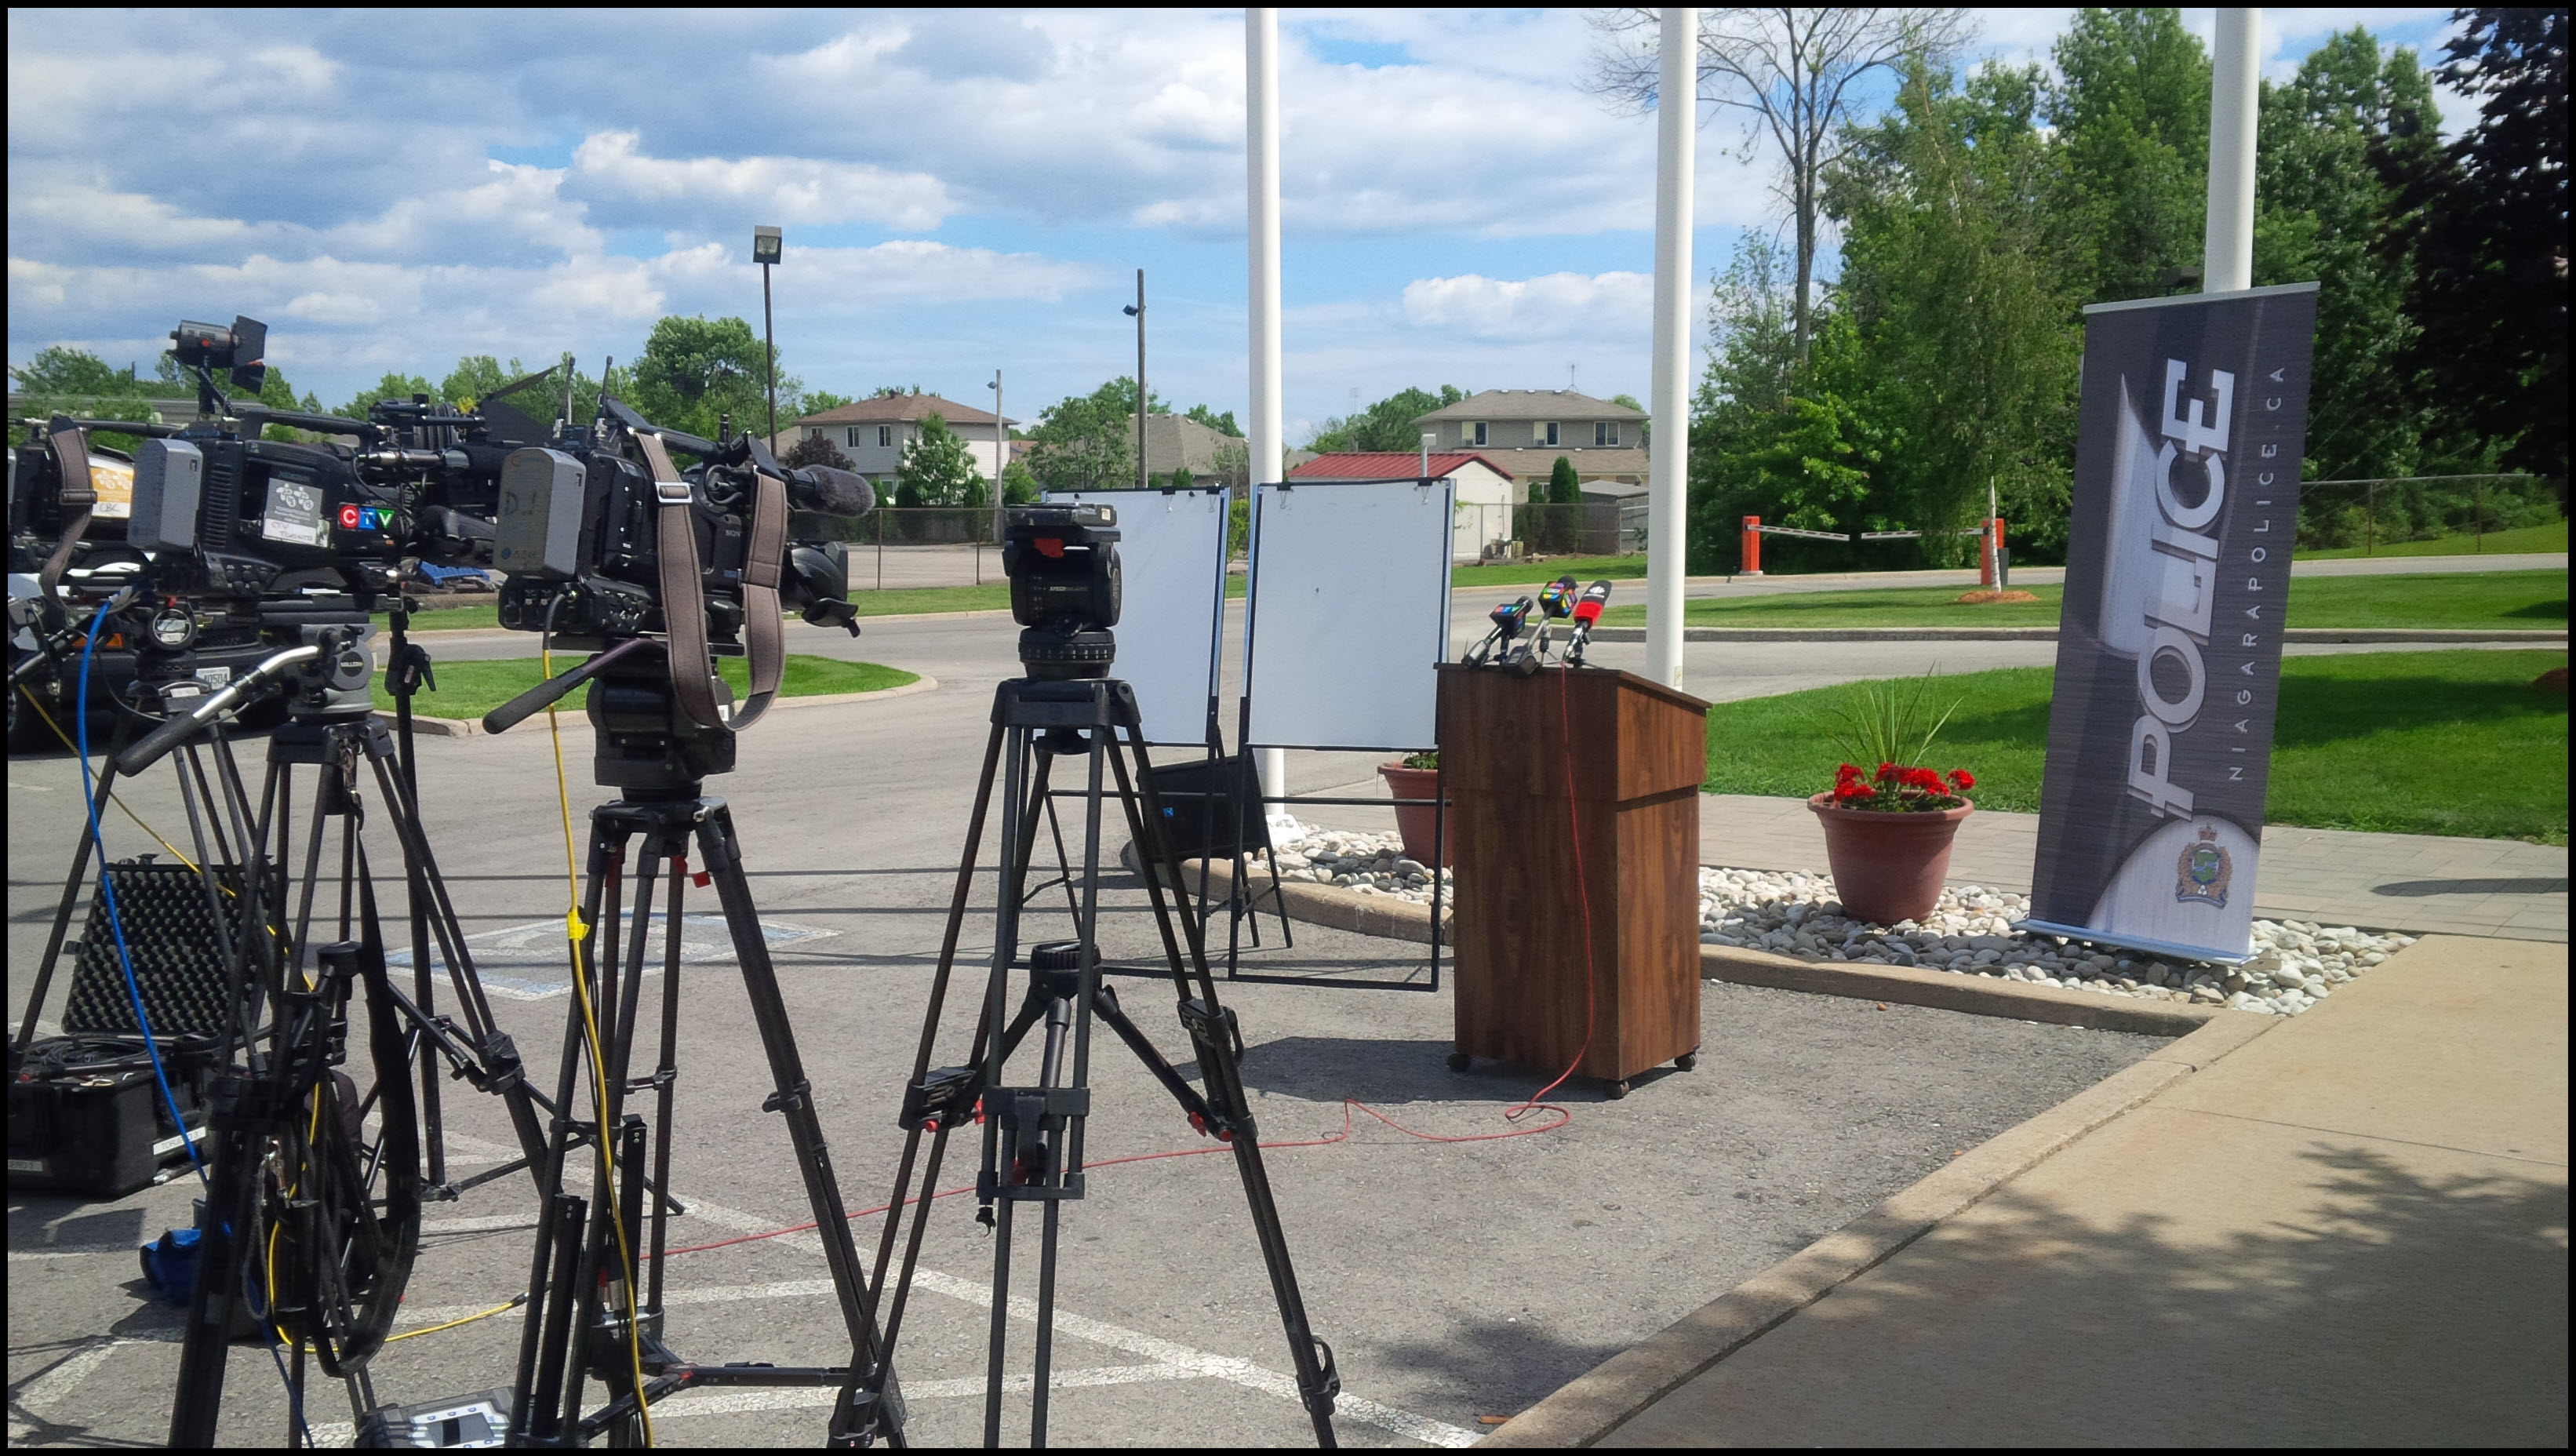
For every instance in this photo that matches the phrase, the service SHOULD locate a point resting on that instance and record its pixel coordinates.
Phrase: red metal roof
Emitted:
(1388, 465)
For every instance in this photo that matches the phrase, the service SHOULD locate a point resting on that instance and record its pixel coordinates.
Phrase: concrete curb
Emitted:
(2432, 635)
(1393, 919)
(428, 727)
(1952, 991)
(1599, 1402)
(1383, 916)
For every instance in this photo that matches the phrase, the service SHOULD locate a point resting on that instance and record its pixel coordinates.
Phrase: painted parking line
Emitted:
(51, 1388)
(527, 962)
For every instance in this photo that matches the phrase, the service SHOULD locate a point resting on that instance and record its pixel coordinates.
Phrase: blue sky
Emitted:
(961, 191)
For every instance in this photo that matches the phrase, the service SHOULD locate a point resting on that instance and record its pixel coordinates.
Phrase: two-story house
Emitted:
(1525, 430)
(874, 433)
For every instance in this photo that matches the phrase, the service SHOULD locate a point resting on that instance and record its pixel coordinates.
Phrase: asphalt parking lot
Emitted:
(1455, 1280)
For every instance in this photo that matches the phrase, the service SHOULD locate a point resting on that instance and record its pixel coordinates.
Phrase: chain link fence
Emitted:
(894, 547)
(2369, 515)
(1587, 528)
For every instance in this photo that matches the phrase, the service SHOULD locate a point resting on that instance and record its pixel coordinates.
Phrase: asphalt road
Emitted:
(1454, 1279)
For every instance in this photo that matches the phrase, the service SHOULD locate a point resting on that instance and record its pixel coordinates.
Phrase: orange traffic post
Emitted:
(1752, 547)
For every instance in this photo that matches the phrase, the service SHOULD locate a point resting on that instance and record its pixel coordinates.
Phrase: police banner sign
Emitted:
(2186, 502)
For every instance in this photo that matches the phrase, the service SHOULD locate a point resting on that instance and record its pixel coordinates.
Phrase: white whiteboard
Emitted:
(1349, 614)
(1171, 560)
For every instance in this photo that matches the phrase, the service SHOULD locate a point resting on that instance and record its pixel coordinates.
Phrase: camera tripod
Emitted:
(1032, 1133)
(359, 1205)
(594, 1309)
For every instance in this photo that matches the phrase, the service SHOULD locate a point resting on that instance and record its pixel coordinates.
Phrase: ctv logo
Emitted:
(365, 518)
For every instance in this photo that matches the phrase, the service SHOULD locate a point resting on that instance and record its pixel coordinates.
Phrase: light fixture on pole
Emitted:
(1136, 311)
(766, 248)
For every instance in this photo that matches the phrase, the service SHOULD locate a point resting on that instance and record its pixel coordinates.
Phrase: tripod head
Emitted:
(647, 748)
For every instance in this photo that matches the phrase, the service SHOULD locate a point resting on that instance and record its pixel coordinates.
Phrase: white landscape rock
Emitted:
(2296, 964)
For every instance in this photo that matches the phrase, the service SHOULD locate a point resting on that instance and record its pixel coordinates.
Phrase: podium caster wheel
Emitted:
(1687, 1061)
(1457, 1061)
(1615, 1090)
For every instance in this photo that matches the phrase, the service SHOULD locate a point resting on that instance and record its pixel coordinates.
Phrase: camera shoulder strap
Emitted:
(684, 597)
(764, 633)
(70, 448)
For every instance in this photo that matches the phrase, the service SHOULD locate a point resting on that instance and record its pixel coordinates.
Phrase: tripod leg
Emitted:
(73, 884)
(206, 1345)
(666, 1077)
(720, 850)
(1212, 1028)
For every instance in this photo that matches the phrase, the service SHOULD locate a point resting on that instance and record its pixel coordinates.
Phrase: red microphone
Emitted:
(1586, 613)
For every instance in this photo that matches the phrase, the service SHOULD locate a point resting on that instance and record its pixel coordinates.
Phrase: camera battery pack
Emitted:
(462, 1423)
(169, 480)
(84, 1123)
(538, 532)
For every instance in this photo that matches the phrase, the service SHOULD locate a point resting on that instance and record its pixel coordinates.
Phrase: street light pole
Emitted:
(766, 246)
(1137, 312)
(1001, 454)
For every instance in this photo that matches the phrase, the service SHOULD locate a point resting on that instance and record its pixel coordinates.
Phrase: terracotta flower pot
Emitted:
(1417, 823)
(1888, 867)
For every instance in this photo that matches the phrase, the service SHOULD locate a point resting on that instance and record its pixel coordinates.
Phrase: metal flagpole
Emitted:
(1667, 474)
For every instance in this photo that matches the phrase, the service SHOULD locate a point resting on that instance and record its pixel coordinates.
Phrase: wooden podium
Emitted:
(1639, 752)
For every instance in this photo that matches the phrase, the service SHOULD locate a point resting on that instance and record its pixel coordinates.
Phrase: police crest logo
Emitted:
(2204, 869)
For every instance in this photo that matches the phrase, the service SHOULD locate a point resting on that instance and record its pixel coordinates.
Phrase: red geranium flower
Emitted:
(1963, 779)
(1847, 773)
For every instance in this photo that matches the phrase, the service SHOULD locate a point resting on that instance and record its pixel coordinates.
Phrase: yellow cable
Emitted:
(505, 1307)
(112, 796)
(576, 931)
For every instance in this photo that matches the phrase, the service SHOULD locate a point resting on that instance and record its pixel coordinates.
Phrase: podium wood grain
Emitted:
(1521, 806)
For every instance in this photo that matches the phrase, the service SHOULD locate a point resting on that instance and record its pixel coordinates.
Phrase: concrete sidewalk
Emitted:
(2346, 1228)
(2412, 882)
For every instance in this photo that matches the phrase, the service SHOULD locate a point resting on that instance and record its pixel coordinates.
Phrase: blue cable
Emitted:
(107, 892)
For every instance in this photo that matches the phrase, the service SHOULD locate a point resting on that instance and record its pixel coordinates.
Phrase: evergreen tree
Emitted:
(1564, 487)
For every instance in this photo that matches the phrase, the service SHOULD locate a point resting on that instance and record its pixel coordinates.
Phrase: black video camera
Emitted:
(1062, 562)
(580, 532)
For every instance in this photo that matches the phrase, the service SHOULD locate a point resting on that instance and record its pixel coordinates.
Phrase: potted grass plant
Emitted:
(1417, 776)
(1888, 827)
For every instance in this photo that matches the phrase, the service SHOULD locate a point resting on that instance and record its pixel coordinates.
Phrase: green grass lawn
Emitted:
(992, 596)
(1529, 576)
(2523, 599)
(2551, 537)
(472, 689)
(2409, 742)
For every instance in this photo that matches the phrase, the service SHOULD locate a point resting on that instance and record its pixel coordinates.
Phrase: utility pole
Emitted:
(1137, 312)
(1001, 454)
(766, 248)
(2227, 246)
(1667, 468)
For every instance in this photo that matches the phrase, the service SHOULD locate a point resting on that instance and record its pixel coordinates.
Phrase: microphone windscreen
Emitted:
(832, 492)
(1588, 611)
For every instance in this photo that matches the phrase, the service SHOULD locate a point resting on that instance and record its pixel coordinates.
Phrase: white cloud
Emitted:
(1557, 305)
(787, 189)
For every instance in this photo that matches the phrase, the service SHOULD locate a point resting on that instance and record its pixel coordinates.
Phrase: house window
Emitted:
(1472, 433)
(885, 437)
(854, 437)
(1606, 432)
(1543, 433)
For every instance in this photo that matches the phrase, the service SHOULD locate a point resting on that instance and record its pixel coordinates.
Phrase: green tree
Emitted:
(815, 401)
(1223, 424)
(1019, 487)
(694, 372)
(1088, 441)
(1387, 425)
(392, 386)
(1955, 275)
(2488, 233)
(2130, 108)
(1564, 487)
(76, 383)
(2322, 210)
(937, 471)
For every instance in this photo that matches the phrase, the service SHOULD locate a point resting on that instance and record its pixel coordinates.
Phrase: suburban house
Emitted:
(1525, 430)
(873, 433)
(1482, 511)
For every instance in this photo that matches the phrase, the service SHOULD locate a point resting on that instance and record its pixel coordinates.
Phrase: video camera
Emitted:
(1062, 562)
(612, 548)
